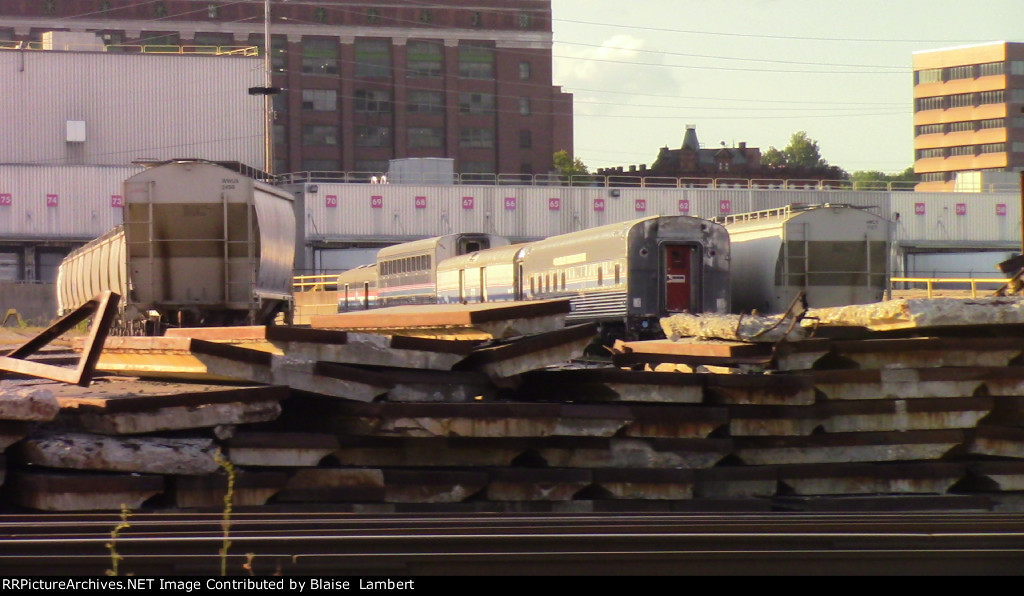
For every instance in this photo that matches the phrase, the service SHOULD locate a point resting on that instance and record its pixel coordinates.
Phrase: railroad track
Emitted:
(401, 546)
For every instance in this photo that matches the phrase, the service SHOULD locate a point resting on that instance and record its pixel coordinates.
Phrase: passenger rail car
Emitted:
(201, 245)
(624, 276)
(835, 254)
(357, 288)
(407, 273)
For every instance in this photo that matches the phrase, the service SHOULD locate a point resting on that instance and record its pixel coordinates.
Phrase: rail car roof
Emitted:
(426, 245)
(501, 254)
(360, 274)
(598, 236)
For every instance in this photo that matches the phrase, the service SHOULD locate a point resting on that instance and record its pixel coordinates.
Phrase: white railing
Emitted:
(594, 180)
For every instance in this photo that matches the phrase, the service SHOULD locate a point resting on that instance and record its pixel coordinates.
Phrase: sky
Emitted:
(757, 71)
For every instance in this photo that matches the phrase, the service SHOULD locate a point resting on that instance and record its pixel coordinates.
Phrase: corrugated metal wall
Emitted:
(60, 202)
(133, 105)
(352, 212)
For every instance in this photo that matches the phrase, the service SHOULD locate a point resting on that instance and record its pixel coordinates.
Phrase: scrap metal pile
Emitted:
(898, 405)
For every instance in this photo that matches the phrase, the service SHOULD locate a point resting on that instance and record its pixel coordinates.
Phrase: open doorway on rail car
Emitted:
(677, 262)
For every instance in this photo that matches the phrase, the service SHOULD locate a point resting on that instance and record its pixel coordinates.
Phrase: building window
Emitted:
(524, 71)
(1017, 67)
(371, 165)
(476, 19)
(278, 50)
(319, 135)
(319, 56)
(992, 123)
(159, 10)
(961, 150)
(967, 126)
(524, 20)
(279, 102)
(1017, 122)
(213, 39)
(929, 103)
(933, 177)
(320, 14)
(476, 103)
(212, 10)
(425, 137)
(991, 69)
(476, 137)
(524, 106)
(320, 100)
(931, 75)
(426, 102)
(476, 61)
(424, 59)
(426, 17)
(320, 165)
(991, 97)
(929, 129)
(477, 167)
(961, 100)
(373, 58)
(961, 72)
(373, 136)
(372, 16)
(525, 139)
(927, 153)
(373, 101)
(992, 148)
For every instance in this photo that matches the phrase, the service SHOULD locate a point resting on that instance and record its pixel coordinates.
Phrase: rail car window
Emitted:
(600, 276)
(617, 279)
(563, 281)
(532, 287)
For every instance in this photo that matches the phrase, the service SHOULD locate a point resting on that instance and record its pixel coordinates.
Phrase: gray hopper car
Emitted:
(835, 254)
(201, 245)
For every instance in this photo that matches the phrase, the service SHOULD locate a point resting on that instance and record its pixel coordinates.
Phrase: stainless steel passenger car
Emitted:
(835, 254)
(201, 245)
(406, 273)
(624, 276)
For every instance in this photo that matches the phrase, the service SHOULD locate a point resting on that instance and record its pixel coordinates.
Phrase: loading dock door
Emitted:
(677, 259)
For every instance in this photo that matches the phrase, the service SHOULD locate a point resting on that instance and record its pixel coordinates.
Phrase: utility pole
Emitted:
(268, 91)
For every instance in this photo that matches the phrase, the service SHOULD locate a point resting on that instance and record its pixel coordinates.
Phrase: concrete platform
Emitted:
(646, 484)
(49, 490)
(613, 385)
(736, 482)
(480, 419)
(279, 449)
(334, 485)
(904, 414)
(546, 484)
(27, 400)
(251, 489)
(638, 454)
(432, 486)
(454, 321)
(865, 479)
(428, 452)
(848, 447)
(325, 345)
(143, 455)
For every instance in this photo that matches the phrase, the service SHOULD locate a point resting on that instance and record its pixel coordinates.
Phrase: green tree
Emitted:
(802, 152)
(567, 166)
(869, 179)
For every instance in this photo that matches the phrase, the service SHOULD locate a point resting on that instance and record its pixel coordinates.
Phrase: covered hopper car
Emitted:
(201, 245)
(835, 254)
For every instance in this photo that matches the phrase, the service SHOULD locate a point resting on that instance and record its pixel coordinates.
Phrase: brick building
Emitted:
(363, 83)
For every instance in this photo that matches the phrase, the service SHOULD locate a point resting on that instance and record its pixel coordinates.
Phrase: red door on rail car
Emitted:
(676, 258)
